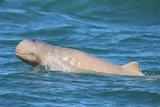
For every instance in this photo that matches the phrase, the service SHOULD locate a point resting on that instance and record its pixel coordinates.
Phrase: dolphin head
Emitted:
(29, 52)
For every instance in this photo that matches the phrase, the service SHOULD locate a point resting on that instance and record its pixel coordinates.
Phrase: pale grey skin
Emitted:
(41, 54)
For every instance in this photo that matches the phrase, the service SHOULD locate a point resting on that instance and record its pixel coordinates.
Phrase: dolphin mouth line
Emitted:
(20, 55)
(34, 64)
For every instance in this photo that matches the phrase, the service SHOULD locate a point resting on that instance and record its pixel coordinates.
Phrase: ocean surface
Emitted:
(118, 31)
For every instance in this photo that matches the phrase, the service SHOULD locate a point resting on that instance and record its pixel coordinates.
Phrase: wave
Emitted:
(110, 11)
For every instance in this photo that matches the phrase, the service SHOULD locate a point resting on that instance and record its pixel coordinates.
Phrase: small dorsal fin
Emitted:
(133, 67)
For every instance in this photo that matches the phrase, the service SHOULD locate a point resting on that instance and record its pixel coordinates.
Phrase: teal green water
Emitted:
(119, 31)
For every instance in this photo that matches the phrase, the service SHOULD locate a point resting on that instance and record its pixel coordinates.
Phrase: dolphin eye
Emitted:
(33, 40)
(32, 53)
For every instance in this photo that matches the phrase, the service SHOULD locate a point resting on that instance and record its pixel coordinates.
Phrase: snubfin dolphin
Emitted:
(41, 54)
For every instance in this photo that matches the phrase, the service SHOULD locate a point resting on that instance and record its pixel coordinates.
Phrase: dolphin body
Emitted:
(41, 54)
